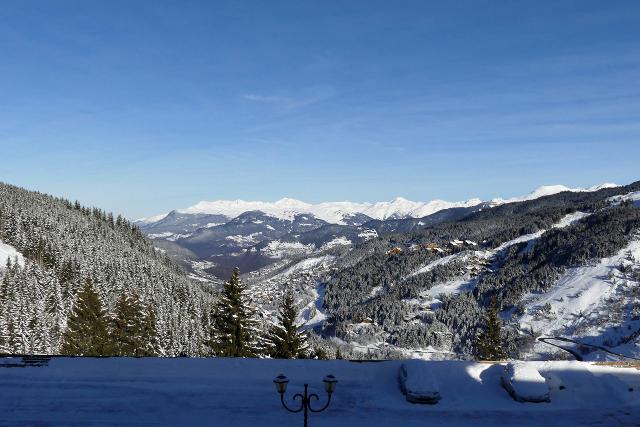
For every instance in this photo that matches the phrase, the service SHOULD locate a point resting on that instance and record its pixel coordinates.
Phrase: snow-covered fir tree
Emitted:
(489, 344)
(133, 331)
(235, 330)
(64, 244)
(286, 340)
(87, 333)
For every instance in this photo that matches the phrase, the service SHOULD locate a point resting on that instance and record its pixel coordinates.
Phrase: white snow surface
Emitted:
(338, 241)
(280, 249)
(337, 212)
(240, 392)
(580, 294)
(548, 190)
(8, 252)
(633, 197)
(332, 212)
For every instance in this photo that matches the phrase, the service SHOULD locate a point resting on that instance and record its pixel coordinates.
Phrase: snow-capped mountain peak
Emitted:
(338, 212)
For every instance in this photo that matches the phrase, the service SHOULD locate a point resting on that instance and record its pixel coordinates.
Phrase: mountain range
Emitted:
(210, 238)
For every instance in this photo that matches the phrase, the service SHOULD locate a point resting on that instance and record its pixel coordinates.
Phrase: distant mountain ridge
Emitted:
(343, 212)
(210, 238)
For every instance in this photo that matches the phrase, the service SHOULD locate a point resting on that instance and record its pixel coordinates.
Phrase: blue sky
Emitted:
(142, 107)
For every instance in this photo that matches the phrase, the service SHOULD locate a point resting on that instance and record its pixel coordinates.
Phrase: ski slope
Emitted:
(240, 392)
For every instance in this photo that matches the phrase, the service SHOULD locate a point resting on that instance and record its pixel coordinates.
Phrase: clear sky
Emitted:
(141, 107)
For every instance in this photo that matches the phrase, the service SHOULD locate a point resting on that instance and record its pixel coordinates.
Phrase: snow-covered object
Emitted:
(8, 252)
(418, 383)
(524, 383)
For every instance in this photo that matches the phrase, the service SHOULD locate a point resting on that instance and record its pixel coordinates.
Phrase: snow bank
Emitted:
(524, 383)
(240, 392)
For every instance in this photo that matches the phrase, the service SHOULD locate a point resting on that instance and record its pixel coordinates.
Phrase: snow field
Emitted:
(579, 294)
(240, 392)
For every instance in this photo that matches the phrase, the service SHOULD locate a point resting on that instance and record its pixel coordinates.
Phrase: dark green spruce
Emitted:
(489, 344)
(285, 339)
(133, 328)
(235, 332)
(87, 331)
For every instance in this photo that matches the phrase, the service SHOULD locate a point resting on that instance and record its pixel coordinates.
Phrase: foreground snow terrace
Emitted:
(240, 392)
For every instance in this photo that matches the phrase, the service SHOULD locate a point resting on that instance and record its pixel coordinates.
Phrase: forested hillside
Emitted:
(66, 245)
(430, 289)
(504, 272)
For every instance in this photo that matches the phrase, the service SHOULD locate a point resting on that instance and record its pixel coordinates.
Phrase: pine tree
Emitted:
(127, 326)
(234, 331)
(87, 328)
(150, 333)
(285, 339)
(489, 341)
(133, 331)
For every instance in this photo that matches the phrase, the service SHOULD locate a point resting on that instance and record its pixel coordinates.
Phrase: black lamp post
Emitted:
(305, 399)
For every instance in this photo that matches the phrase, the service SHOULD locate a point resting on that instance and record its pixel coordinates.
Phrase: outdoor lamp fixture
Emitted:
(305, 399)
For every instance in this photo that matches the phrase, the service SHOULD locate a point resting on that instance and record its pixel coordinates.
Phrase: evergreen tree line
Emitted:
(372, 285)
(236, 332)
(66, 244)
(131, 329)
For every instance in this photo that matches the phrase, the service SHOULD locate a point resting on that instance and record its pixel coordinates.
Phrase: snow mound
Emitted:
(524, 383)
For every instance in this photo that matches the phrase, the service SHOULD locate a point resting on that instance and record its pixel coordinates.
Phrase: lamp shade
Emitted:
(330, 383)
(281, 383)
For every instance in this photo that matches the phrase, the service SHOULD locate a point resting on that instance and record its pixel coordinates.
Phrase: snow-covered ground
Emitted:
(474, 256)
(581, 303)
(8, 252)
(280, 249)
(240, 392)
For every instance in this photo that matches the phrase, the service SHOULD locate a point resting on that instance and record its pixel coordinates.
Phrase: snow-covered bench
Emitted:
(524, 383)
(418, 383)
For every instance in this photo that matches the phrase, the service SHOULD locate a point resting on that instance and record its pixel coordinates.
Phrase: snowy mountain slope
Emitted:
(590, 303)
(340, 212)
(248, 234)
(9, 253)
(331, 212)
(549, 190)
(268, 285)
(240, 393)
(426, 290)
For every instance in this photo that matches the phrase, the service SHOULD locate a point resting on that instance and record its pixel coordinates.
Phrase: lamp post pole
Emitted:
(305, 399)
